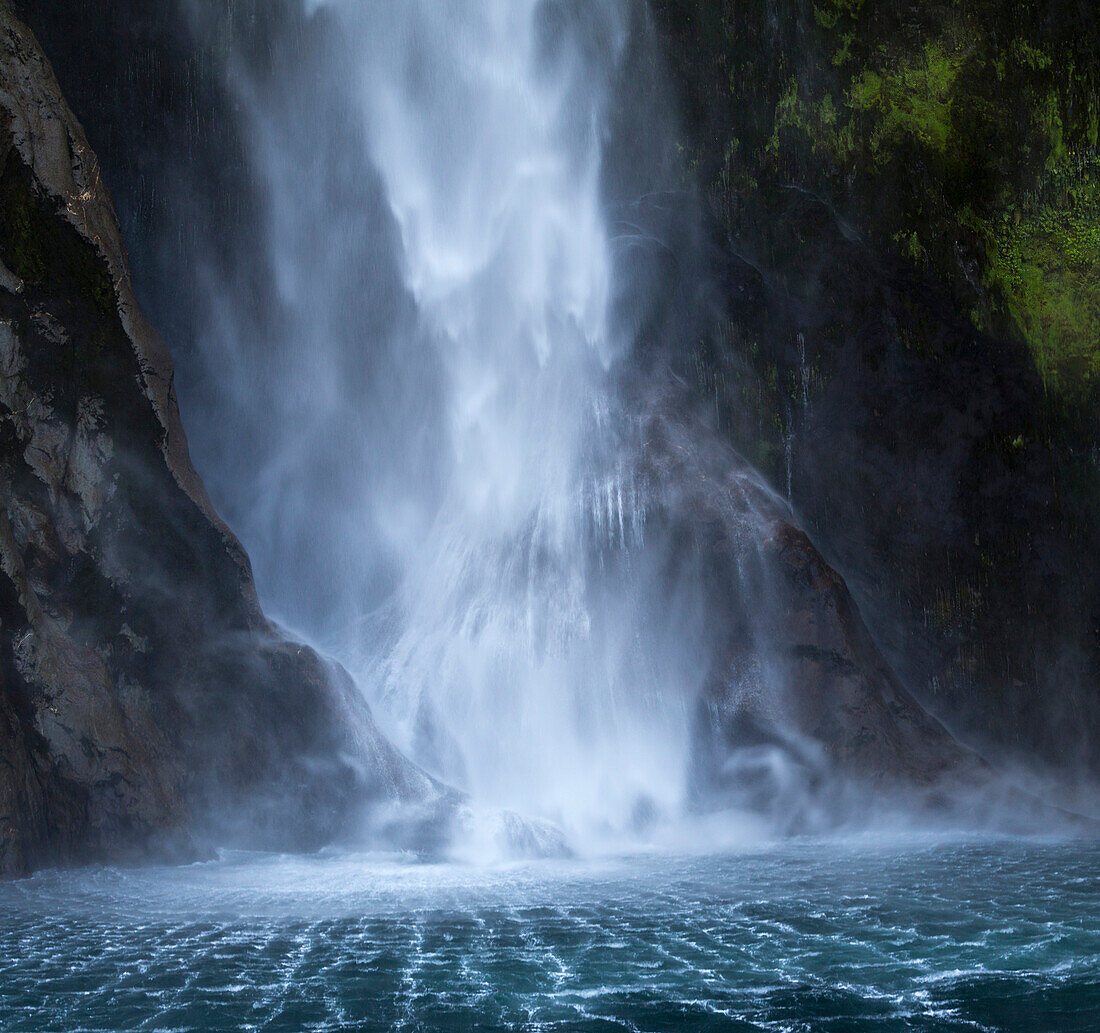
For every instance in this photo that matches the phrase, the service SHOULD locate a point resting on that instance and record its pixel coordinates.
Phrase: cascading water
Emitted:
(445, 413)
(486, 124)
(526, 644)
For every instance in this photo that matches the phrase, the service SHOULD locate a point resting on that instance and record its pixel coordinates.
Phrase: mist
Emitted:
(447, 301)
(443, 397)
(579, 557)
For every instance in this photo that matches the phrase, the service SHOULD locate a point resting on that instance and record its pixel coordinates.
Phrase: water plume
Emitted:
(514, 663)
(435, 412)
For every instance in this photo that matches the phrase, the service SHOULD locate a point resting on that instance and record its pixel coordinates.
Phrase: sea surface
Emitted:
(906, 935)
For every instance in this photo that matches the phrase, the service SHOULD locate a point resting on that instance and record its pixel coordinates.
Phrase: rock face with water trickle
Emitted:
(932, 413)
(147, 707)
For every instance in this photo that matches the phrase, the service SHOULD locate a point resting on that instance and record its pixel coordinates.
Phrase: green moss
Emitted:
(841, 17)
(909, 244)
(883, 110)
(913, 162)
(912, 102)
(833, 13)
(818, 120)
(950, 136)
(1045, 261)
(1027, 55)
(951, 133)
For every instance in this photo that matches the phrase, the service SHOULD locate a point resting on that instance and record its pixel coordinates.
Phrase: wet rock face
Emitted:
(801, 716)
(147, 708)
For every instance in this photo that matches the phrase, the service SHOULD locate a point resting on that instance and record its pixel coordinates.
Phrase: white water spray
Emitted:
(464, 462)
(508, 671)
(529, 648)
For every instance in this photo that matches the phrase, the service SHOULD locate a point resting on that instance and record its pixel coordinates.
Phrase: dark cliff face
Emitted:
(188, 105)
(903, 207)
(147, 708)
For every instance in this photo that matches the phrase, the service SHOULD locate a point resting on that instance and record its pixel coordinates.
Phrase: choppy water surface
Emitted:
(809, 936)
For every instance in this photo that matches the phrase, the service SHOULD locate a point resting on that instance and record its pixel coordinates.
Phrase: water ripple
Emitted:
(916, 936)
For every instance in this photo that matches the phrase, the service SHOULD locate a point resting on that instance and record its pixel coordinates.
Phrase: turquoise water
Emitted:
(907, 935)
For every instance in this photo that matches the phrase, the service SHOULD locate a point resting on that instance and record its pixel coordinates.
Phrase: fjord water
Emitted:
(902, 936)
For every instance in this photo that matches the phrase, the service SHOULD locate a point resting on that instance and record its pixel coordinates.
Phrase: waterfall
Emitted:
(436, 473)
(486, 122)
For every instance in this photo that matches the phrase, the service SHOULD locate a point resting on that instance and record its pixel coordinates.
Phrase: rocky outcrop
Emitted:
(147, 707)
(801, 717)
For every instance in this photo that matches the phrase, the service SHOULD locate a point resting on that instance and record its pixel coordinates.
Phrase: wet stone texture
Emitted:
(147, 708)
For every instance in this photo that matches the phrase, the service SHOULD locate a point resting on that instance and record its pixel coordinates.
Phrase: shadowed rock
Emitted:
(147, 707)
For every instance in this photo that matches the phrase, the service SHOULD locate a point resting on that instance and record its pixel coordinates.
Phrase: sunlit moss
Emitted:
(833, 13)
(913, 101)
(1041, 245)
(819, 120)
(841, 17)
(881, 109)
(1046, 262)
(950, 134)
